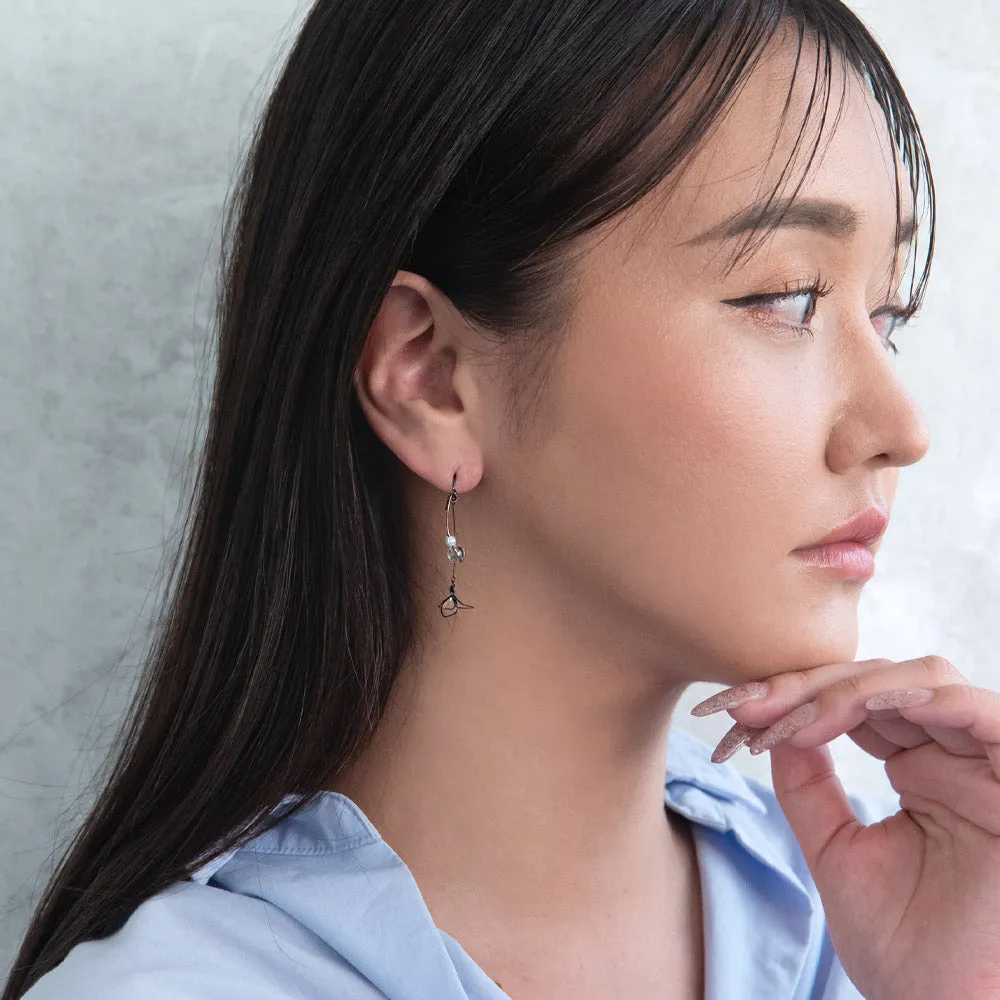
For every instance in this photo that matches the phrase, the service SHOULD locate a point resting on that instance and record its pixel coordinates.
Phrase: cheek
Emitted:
(728, 428)
(688, 466)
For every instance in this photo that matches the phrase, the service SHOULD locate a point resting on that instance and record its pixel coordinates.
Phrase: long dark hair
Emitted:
(469, 141)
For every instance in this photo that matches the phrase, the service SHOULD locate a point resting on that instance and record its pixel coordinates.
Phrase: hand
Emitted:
(912, 903)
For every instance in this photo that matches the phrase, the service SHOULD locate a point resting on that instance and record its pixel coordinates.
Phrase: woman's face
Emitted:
(686, 442)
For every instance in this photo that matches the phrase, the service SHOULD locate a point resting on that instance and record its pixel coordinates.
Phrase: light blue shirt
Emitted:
(321, 908)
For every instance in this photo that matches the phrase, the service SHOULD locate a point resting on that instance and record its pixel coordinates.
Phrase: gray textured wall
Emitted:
(121, 124)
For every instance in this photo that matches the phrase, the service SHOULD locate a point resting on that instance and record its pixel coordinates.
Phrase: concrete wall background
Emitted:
(120, 132)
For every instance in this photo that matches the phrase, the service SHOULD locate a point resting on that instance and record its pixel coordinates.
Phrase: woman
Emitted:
(615, 287)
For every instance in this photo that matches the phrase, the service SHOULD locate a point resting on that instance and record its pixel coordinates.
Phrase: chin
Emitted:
(834, 639)
(827, 633)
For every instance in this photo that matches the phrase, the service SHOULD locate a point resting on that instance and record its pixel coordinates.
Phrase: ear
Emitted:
(416, 384)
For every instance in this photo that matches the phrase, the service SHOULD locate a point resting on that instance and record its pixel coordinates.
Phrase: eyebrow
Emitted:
(831, 218)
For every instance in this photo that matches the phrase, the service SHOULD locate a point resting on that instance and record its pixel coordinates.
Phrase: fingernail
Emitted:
(732, 697)
(804, 715)
(731, 742)
(899, 699)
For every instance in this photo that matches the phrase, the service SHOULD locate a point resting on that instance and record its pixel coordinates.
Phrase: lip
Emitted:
(852, 560)
(866, 527)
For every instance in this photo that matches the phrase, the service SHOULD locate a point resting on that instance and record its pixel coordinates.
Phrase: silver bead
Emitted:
(456, 553)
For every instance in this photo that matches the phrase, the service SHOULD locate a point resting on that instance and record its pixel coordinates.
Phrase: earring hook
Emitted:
(451, 604)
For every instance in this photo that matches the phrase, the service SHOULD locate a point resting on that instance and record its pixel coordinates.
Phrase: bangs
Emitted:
(837, 35)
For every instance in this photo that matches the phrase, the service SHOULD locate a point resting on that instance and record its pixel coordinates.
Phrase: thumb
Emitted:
(813, 800)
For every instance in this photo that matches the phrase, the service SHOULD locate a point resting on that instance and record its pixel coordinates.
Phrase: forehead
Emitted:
(750, 153)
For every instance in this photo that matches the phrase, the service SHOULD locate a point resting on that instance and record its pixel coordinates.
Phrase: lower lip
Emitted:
(849, 559)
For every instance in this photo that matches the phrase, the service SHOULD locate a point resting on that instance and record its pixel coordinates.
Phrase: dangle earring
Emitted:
(451, 604)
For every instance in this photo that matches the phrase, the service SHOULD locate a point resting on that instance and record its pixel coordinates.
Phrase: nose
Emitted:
(879, 421)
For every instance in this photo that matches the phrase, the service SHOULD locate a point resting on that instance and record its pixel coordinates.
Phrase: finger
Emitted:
(817, 808)
(907, 734)
(936, 783)
(841, 706)
(884, 738)
(783, 688)
(962, 708)
(788, 691)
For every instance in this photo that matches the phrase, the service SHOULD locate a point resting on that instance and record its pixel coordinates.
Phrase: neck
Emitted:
(523, 779)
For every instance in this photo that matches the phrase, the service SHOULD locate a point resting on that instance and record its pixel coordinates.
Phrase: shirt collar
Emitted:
(333, 839)
(689, 761)
(719, 796)
(708, 794)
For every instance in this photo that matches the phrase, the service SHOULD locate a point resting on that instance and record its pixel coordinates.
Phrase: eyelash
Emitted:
(818, 288)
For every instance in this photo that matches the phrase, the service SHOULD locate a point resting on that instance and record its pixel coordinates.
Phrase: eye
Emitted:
(888, 319)
(794, 310)
(794, 306)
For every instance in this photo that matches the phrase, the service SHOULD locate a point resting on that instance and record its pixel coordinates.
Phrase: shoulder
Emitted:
(193, 941)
